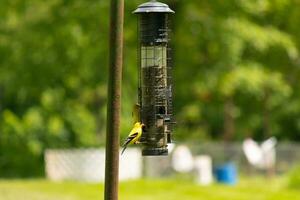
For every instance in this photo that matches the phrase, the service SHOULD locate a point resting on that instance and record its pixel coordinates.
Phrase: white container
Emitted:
(203, 167)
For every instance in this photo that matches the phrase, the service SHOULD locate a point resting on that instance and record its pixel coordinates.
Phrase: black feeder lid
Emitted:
(153, 7)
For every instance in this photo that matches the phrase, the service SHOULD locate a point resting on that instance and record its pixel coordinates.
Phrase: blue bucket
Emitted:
(226, 174)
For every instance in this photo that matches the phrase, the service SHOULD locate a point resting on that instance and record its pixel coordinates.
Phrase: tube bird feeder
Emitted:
(155, 78)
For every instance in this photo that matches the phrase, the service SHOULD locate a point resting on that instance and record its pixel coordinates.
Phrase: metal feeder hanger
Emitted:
(155, 79)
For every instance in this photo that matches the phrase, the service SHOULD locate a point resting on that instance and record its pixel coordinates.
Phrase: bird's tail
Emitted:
(125, 145)
(124, 148)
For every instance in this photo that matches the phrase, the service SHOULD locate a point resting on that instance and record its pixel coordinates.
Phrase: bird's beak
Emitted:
(143, 127)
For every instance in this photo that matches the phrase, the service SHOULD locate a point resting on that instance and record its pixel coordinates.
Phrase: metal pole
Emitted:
(114, 100)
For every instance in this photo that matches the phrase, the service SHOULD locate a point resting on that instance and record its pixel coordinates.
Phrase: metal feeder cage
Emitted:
(155, 79)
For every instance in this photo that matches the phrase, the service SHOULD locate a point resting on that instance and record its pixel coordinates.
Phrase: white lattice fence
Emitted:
(89, 164)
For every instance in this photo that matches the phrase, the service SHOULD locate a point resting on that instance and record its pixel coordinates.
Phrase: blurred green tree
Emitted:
(235, 55)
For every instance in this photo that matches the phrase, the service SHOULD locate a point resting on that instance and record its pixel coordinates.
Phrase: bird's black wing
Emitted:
(128, 139)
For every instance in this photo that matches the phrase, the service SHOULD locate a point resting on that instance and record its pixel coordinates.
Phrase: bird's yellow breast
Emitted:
(136, 129)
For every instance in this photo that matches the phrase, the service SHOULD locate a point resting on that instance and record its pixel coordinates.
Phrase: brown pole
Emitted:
(114, 100)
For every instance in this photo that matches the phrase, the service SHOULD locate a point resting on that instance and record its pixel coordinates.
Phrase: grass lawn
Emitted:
(247, 189)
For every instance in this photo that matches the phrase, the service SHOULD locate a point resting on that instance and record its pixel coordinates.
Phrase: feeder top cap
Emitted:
(153, 7)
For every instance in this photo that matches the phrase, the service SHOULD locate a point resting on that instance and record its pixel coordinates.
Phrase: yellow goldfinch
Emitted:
(136, 113)
(134, 135)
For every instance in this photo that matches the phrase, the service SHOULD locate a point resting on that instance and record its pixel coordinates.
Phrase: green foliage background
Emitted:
(236, 74)
(294, 178)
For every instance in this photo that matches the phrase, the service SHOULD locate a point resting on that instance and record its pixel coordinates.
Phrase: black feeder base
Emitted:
(155, 152)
